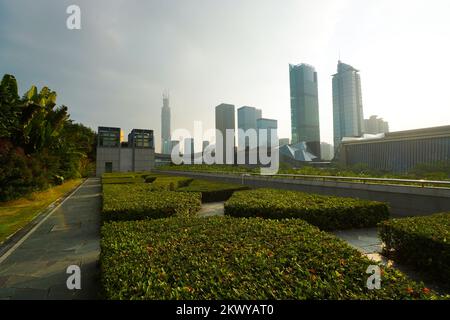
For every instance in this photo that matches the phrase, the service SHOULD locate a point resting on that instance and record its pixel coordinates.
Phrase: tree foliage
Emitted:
(39, 144)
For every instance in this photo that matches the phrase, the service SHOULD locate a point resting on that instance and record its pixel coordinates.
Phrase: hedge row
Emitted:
(213, 191)
(170, 183)
(230, 258)
(137, 202)
(423, 242)
(325, 212)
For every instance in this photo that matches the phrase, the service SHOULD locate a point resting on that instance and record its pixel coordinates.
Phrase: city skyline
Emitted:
(97, 74)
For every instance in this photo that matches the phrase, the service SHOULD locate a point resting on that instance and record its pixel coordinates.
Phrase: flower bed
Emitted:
(325, 212)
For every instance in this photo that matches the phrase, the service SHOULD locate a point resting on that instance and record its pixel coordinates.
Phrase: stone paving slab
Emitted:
(69, 236)
(212, 209)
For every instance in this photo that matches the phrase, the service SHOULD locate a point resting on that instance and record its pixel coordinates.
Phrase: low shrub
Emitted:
(122, 180)
(137, 202)
(246, 258)
(213, 191)
(170, 183)
(423, 242)
(325, 212)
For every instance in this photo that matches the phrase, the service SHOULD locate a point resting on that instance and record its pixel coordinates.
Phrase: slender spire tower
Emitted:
(165, 126)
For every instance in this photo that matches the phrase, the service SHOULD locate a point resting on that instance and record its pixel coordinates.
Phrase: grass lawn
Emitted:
(15, 214)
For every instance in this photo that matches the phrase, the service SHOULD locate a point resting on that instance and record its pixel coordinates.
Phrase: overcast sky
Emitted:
(114, 70)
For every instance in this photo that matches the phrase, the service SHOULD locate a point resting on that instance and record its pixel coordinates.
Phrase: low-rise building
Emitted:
(398, 151)
(114, 155)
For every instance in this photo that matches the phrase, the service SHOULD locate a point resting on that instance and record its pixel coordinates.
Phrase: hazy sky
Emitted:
(114, 70)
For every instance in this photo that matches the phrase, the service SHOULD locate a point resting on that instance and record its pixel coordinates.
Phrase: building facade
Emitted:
(114, 155)
(225, 120)
(165, 126)
(375, 125)
(247, 117)
(348, 118)
(305, 126)
(398, 151)
(264, 140)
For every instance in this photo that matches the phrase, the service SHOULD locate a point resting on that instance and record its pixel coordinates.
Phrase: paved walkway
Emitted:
(36, 269)
(212, 209)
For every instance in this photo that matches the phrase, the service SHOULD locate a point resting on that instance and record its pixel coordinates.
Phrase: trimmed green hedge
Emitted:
(325, 212)
(137, 202)
(423, 242)
(122, 180)
(170, 183)
(230, 258)
(213, 191)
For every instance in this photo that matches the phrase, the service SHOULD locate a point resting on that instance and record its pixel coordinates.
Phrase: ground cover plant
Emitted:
(423, 242)
(325, 212)
(139, 201)
(213, 191)
(238, 258)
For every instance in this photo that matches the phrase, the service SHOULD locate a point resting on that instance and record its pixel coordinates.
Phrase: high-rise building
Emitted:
(375, 125)
(268, 124)
(165, 126)
(347, 104)
(247, 117)
(225, 120)
(305, 106)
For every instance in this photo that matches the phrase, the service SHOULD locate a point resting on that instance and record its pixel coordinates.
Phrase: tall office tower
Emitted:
(348, 118)
(305, 125)
(375, 125)
(267, 124)
(247, 117)
(225, 119)
(165, 126)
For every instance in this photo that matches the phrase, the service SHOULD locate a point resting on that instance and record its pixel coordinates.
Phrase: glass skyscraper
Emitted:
(348, 118)
(305, 107)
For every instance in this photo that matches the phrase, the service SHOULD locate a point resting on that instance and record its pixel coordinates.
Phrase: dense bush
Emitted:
(420, 241)
(39, 144)
(325, 212)
(213, 191)
(137, 202)
(230, 258)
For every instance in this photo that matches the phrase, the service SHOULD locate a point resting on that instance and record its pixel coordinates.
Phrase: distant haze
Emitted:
(114, 70)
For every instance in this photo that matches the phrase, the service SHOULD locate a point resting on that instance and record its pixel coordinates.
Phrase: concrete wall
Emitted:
(144, 159)
(403, 200)
(107, 155)
(126, 159)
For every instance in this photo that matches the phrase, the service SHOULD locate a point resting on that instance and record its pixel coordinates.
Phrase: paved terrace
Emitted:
(35, 268)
